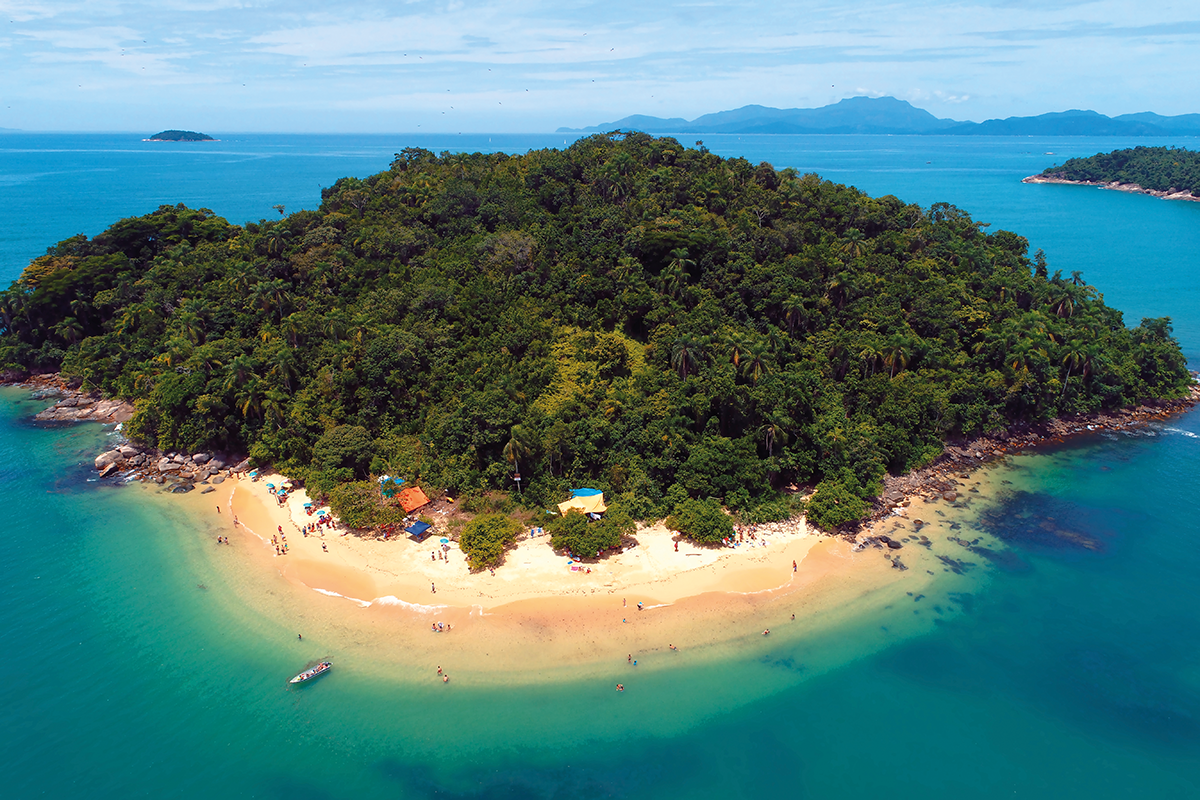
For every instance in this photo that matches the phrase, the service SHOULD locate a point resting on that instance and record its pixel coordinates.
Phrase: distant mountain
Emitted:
(887, 115)
(180, 136)
(10, 130)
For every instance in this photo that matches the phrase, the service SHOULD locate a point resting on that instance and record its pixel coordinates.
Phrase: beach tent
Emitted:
(586, 493)
(585, 504)
(412, 498)
(389, 485)
(418, 530)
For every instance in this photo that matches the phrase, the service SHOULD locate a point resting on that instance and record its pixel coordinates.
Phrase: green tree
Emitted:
(485, 538)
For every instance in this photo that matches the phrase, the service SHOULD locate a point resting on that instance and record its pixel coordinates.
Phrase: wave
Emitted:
(1182, 432)
(328, 593)
(392, 600)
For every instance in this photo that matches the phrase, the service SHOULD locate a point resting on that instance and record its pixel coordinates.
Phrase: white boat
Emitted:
(312, 672)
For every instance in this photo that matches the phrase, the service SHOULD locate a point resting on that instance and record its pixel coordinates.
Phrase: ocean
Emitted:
(1056, 657)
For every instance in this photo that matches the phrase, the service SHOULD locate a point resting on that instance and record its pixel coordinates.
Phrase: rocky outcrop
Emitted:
(81, 408)
(1173, 193)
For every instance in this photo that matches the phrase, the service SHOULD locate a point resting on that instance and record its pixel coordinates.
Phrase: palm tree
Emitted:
(756, 361)
(519, 446)
(686, 355)
(1074, 355)
(241, 371)
(69, 330)
(871, 355)
(896, 354)
(855, 243)
(738, 346)
(793, 312)
(773, 431)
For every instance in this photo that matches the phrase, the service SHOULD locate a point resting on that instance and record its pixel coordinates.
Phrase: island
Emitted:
(1172, 173)
(689, 336)
(180, 136)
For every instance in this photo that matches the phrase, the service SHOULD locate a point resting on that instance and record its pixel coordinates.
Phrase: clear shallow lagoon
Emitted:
(1068, 668)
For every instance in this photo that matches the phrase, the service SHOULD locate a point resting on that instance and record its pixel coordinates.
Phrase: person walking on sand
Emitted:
(767, 631)
(300, 637)
(433, 588)
(629, 658)
(793, 566)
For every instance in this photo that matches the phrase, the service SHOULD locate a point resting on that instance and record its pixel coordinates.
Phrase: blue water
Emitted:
(1064, 661)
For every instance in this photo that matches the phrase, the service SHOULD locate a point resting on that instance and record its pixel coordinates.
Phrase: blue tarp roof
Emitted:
(587, 492)
(418, 529)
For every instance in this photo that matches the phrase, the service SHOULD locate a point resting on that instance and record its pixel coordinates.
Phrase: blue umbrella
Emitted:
(445, 541)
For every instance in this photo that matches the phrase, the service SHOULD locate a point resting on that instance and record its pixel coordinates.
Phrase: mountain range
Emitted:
(887, 115)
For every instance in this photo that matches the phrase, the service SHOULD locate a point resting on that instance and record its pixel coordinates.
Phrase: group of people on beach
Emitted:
(222, 540)
(280, 542)
(445, 676)
(440, 627)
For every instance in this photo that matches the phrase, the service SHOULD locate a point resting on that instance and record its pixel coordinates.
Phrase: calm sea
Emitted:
(1058, 657)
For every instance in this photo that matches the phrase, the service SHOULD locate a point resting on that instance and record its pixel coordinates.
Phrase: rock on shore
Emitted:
(81, 408)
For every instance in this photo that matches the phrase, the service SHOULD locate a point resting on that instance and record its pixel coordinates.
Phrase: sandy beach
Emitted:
(535, 605)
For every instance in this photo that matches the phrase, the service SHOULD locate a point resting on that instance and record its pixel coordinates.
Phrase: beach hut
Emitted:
(585, 501)
(418, 530)
(412, 498)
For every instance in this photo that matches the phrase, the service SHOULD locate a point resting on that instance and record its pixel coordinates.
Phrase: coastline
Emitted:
(1131, 188)
(715, 601)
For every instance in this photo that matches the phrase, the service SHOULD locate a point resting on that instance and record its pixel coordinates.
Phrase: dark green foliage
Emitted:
(1158, 168)
(344, 447)
(575, 533)
(485, 538)
(359, 504)
(701, 521)
(627, 313)
(835, 503)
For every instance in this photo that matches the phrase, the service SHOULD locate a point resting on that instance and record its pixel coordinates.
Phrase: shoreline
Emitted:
(578, 616)
(1131, 188)
(964, 457)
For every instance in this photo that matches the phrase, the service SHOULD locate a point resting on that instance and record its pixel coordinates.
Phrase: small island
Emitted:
(1171, 173)
(180, 136)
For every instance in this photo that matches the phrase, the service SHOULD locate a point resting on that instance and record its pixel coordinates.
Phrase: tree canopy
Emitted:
(626, 313)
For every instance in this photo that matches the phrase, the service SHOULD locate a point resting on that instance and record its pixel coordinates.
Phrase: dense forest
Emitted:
(1158, 168)
(627, 313)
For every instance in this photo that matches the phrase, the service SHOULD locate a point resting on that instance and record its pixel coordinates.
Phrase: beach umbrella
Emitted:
(445, 541)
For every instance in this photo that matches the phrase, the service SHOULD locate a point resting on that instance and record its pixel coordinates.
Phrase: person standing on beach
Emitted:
(433, 588)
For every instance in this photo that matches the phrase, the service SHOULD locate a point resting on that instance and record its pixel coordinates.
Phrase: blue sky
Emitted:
(533, 65)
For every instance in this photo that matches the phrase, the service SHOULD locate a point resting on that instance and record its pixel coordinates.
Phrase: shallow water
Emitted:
(1052, 654)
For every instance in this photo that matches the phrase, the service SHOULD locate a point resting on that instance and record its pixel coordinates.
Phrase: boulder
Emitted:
(187, 476)
(949, 497)
(104, 459)
(138, 460)
(181, 488)
(179, 458)
(201, 458)
(168, 466)
(207, 489)
(216, 464)
(109, 469)
(128, 450)
(219, 479)
(242, 466)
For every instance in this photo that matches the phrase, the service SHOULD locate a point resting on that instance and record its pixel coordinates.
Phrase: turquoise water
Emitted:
(1060, 659)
